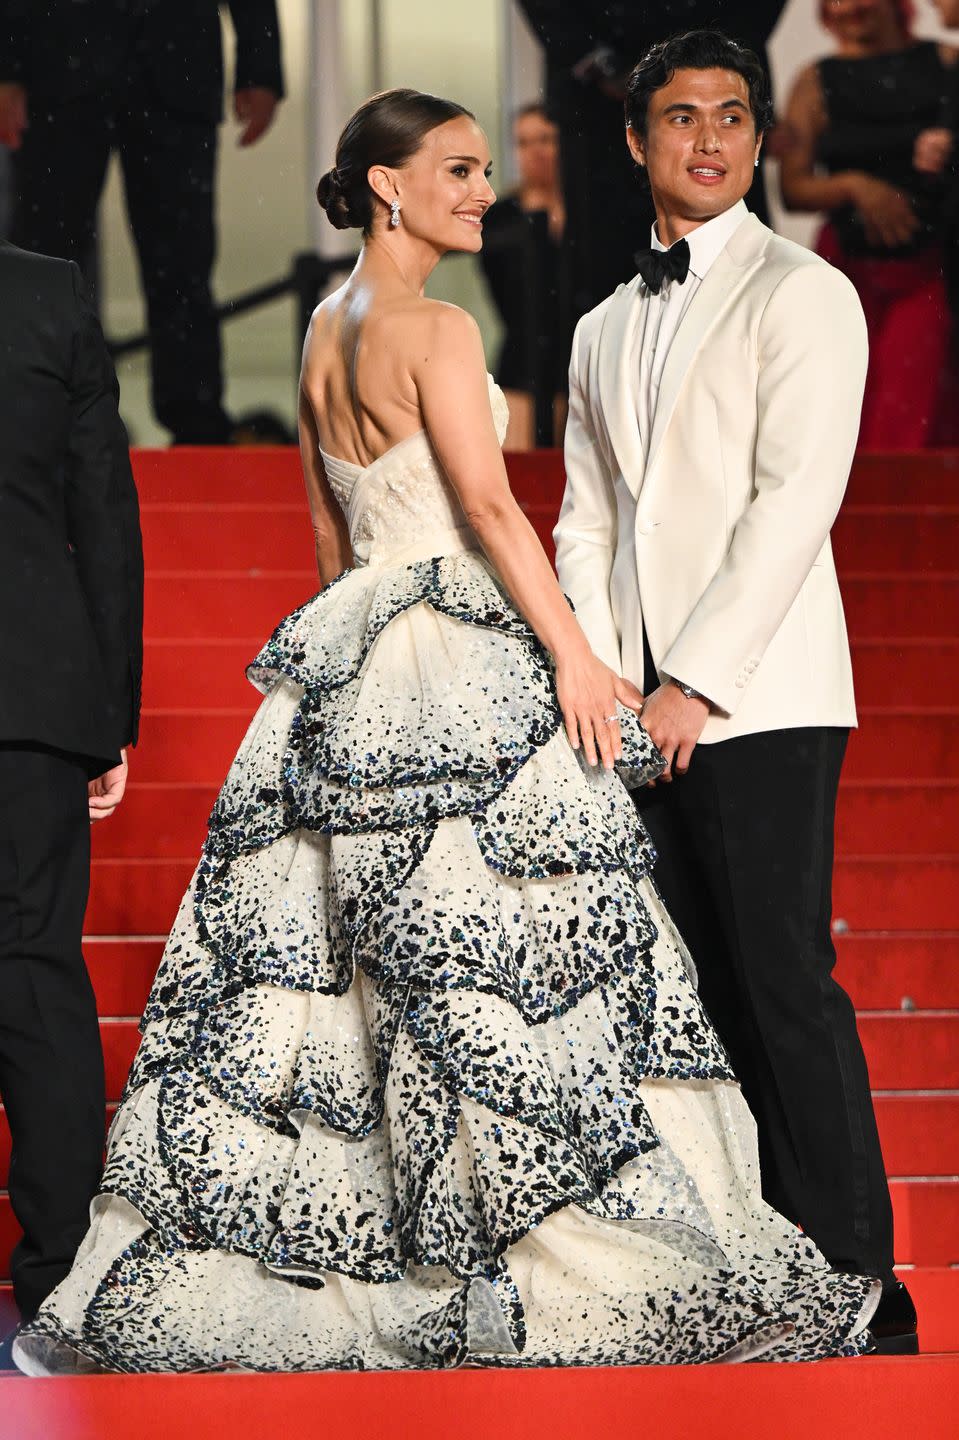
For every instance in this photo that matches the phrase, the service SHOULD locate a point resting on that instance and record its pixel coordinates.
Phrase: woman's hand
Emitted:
(932, 150)
(886, 213)
(588, 692)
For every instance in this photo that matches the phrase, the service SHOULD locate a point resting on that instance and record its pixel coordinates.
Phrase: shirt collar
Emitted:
(707, 241)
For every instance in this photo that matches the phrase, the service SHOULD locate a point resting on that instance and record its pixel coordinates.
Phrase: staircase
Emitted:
(229, 551)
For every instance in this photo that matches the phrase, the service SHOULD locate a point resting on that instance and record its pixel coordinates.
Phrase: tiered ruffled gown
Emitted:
(424, 1077)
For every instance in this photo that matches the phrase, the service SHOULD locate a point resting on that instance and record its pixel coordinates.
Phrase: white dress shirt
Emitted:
(662, 313)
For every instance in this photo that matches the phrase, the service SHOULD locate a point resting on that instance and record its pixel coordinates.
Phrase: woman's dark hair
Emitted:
(535, 107)
(696, 50)
(387, 129)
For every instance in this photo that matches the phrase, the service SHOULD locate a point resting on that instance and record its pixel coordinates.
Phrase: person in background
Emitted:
(523, 234)
(868, 141)
(71, 612)
(948, 426)
(146, 80)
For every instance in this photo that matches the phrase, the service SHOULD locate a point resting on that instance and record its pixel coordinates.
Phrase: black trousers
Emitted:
(51, 1062)
(169, 171)
(745, 842)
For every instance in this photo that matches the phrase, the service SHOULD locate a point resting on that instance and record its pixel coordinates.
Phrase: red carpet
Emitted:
(228, 553)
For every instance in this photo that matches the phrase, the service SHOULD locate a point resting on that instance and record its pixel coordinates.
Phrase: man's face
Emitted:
(700, 145)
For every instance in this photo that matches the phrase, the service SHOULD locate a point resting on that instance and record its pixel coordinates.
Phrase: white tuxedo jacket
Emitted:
(719, 538)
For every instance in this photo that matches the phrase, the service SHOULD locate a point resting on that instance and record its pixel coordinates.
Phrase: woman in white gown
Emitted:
(424, 1078)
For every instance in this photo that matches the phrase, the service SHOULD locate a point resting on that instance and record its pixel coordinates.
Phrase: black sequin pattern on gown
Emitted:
(424, 1076)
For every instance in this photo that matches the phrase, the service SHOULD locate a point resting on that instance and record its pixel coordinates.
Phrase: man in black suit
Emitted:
(80, 78)
(590, 49)
(71, 604)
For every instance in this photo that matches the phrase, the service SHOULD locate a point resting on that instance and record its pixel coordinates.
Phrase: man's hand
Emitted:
(674, 724)
(13, 114)
(106, 791)
(254, 108)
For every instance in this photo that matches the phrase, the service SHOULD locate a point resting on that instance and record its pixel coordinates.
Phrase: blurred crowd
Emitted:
(866, 138)
(143, 80)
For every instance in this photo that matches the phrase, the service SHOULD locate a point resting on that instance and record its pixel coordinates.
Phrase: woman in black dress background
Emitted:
(870, 142)
(521, 258)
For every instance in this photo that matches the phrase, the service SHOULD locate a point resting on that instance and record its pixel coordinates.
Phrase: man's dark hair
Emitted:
(696, 50)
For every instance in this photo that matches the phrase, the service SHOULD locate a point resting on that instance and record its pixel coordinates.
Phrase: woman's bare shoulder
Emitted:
(439, 330)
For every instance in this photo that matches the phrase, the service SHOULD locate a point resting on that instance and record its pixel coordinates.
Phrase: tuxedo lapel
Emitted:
(725, 279)
(617, 383)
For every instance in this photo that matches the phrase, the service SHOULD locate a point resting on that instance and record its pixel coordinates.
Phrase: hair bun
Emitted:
(331, 195)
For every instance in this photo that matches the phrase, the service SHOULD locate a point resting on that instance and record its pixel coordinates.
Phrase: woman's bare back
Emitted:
(357, 369)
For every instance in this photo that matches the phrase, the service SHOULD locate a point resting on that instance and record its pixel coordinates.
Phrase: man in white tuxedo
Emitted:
(714, 409)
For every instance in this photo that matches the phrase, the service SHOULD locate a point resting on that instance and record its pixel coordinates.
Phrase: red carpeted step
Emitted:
(927, 477)
(156, 819)
(925, 606)
(120, 1040)
(122, 971)
(218, 475)
(899, 672)
(898, 743)
(895, 1399)
(136, 897)
(190, 745)
(185, 536)
(935, 1291)
(198, 674)
(926, 1214)
(187, 606)
(911, 1051)
(885, 970)
(897, 892)
(896, 538)
(920, 1133)
(874, 816)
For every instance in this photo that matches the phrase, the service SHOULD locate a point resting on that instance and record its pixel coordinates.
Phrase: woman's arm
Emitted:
(331, 537)
(449, 370)
(804, 122)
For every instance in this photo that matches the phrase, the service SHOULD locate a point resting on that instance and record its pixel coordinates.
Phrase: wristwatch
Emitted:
(687, 690)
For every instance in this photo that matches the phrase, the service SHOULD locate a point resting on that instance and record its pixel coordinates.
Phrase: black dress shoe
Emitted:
(895, 1325)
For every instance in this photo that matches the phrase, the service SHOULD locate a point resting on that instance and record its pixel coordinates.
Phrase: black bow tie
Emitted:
(658, 266)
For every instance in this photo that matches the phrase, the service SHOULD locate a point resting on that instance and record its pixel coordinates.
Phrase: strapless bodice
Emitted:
(402, 507)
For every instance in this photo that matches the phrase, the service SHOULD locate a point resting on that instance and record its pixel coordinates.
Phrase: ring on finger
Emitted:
(610, 719)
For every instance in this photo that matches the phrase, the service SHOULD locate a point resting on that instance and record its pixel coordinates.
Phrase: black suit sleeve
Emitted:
(103, 517)
(258, 55)
(13, 41)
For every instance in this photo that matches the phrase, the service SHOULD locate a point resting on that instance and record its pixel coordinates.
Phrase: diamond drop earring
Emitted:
(394, 213)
